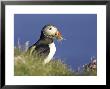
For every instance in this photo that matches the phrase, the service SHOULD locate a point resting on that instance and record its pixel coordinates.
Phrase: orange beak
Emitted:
(59, 36)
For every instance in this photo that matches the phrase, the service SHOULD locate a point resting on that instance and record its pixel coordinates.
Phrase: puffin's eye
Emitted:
(50, 28)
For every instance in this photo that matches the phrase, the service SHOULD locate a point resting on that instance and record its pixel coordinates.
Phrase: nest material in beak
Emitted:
(59, 36)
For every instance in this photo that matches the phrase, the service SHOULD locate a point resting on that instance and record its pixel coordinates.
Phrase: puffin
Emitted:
(45, 47)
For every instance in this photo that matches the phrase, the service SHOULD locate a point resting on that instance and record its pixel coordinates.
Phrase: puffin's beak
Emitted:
(59, 36)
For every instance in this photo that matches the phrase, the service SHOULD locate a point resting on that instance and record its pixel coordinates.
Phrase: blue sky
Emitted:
(79, 30)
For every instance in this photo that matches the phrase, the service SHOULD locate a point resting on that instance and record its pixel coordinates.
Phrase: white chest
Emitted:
(51, 54)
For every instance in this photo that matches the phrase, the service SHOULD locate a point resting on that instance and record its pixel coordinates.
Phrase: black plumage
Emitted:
(45, 47)
(41, 47)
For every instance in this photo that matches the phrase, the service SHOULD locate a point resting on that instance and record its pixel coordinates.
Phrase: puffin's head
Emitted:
(52, 31)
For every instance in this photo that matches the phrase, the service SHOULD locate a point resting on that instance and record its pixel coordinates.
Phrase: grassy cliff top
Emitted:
(26, 65)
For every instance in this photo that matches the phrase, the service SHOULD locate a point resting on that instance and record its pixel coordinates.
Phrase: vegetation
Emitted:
(26, 65)
(29, 65)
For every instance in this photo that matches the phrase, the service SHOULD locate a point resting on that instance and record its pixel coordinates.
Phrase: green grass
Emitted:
(87, 73)
(26, 65)
(90, 73)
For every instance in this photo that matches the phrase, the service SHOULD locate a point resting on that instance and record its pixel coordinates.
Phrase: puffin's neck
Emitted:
(45, 39)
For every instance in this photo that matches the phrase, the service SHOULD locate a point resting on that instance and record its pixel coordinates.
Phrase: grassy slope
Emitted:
(25, 65)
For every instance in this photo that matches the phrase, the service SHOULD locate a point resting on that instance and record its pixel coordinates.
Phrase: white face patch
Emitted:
(51, 54)
(50, 30)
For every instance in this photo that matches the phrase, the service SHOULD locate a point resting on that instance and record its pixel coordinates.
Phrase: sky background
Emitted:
(79, 30)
